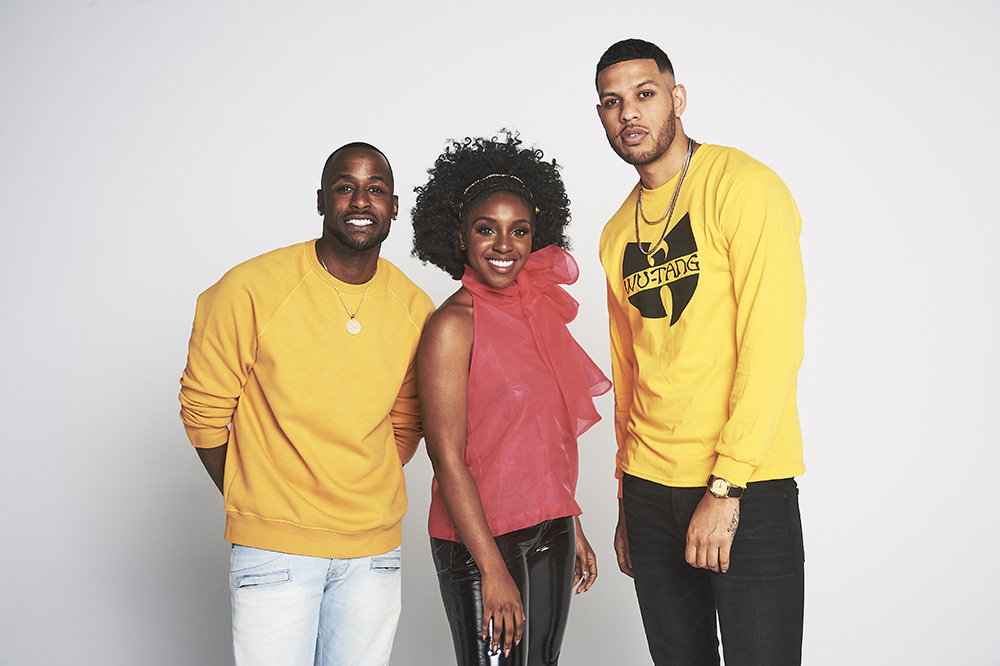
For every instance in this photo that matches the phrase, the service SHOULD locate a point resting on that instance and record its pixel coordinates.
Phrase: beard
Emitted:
(661, 143)
(360, 244)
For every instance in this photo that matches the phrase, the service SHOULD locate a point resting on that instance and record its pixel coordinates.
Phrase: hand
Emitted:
(621, 543)
(502, 604)
(711, 531)
(586, 561)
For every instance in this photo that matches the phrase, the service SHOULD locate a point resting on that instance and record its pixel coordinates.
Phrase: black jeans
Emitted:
(541, 561)
(760, 599)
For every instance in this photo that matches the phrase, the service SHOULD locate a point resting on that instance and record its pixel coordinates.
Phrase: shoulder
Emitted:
(417, 303)
(262, 269)
(451, 325)
(733, 168)
(625, 211)
(276, 271)
(618, 224)
(748, 193)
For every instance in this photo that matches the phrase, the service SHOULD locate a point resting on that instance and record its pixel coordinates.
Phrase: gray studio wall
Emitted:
(146, 147)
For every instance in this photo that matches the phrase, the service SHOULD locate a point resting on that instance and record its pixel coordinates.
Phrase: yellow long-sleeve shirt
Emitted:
(321, 420)
(706, 334)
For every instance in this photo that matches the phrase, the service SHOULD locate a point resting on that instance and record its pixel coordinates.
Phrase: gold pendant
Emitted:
(353, 326)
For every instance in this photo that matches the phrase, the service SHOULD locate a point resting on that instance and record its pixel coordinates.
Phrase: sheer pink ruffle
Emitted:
(547, 309)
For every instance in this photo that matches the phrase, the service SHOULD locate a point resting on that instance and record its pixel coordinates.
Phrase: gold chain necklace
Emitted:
(353, 325)
(670, 210)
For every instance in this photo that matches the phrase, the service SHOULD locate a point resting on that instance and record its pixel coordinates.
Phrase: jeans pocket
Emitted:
(388, 562)
(254, 567)
(264, 579)
(770, 532)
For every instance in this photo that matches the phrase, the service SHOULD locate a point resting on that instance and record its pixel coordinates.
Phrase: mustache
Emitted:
(632, 127)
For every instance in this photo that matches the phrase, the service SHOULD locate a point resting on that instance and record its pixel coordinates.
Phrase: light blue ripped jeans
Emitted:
(294, 610)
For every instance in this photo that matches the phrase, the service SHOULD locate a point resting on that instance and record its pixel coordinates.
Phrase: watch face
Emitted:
(719, 487)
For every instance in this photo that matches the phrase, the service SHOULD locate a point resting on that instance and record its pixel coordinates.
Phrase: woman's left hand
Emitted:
(586, 561)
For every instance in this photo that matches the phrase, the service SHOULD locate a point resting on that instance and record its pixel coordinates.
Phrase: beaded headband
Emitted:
(465, 194)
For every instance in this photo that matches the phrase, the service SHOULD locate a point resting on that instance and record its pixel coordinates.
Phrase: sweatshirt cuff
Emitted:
(207, 438)
(733, 471)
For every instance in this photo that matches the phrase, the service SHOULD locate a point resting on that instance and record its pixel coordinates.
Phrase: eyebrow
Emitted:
(641, 84)
(351, 176)
(486, 218)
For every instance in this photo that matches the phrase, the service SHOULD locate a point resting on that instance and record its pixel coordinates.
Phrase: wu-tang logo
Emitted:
(671, 271)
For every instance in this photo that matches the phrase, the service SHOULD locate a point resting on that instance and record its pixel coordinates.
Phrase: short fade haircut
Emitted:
(632, 49)
(348, 146)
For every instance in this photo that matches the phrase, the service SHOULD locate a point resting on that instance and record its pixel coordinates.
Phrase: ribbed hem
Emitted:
(287, 537)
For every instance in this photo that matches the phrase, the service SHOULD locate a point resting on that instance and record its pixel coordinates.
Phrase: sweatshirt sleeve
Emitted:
(405, 416)
(407, 426)
(622, 363)
(762, 225)
(221, 354)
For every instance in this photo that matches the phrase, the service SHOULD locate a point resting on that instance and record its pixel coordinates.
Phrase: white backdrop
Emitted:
(148, 146)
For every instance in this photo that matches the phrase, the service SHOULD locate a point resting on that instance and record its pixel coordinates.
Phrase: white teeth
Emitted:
(501, 263)
(364, 222)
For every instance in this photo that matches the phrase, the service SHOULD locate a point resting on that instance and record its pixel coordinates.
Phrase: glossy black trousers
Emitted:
(758, 602)
(541, 561)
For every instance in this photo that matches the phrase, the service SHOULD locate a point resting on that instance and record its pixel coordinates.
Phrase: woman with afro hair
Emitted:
(505, 392)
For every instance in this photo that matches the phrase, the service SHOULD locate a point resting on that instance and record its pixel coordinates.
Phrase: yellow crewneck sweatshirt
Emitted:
(321, 420)
(706, 334)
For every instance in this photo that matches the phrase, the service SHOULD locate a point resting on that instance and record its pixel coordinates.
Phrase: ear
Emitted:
(680, 99)
(395, 206)
(320, 206)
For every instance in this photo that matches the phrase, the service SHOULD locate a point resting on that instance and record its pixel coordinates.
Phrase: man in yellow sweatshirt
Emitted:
(706, 301)
(299, 395)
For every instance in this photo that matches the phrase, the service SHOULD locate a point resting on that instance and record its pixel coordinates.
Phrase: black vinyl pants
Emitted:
(541, 560)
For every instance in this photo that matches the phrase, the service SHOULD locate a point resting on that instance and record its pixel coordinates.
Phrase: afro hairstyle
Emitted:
(467, 170)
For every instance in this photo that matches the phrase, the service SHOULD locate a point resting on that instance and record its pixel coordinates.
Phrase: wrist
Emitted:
(493, 566)
(723, 489)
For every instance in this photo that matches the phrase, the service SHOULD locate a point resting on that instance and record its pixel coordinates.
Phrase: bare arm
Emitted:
(586, 561)
(214, 461)
(443, 378)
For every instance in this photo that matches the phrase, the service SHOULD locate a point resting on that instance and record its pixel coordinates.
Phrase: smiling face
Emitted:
(639, 108)
(356, 201)
(497, 234)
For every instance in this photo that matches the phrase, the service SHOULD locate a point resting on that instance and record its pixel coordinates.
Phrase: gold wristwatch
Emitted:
(722, 488)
